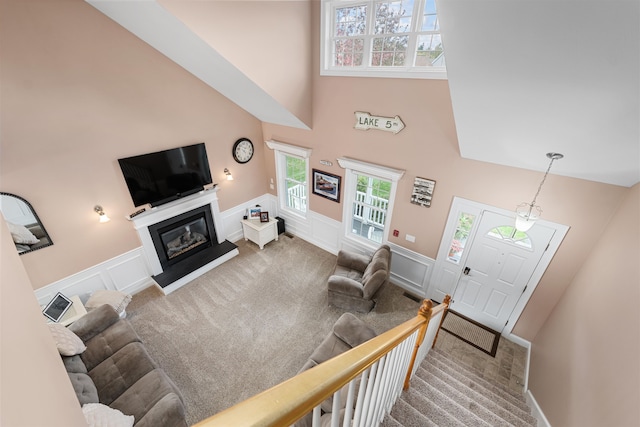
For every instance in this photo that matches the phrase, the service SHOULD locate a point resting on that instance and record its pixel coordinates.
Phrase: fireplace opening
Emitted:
(182, 236)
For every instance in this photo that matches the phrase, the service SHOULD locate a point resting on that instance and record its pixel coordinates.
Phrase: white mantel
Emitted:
(158, 214)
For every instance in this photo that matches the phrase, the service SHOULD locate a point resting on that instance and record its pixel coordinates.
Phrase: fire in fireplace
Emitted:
(179, 237)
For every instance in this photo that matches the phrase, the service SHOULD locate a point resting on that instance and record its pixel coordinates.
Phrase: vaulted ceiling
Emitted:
(527, 77)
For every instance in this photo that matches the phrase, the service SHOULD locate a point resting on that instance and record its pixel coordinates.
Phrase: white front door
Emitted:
(498, 267)
(504, 267)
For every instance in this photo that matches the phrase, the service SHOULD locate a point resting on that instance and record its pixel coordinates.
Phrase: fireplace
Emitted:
(184, 239)
(182, 236)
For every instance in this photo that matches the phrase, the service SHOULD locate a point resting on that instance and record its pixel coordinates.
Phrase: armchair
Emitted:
(357, 278)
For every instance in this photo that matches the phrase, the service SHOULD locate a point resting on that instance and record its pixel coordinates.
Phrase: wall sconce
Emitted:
(100, 211)
(229, 176)
(528, 213)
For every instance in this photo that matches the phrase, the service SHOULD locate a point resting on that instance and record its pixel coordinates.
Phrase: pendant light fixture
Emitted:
(528, 213)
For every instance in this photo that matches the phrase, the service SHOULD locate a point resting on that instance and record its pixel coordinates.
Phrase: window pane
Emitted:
(351, 21)
(393, 17)
(393, 51)
(429, 50)
(465, 223)
(348, 52)
(370, 207)
(296, 183)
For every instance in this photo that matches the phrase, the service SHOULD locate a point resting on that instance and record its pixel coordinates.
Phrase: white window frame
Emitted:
(353, 168)
(281, 150)
(327, 14)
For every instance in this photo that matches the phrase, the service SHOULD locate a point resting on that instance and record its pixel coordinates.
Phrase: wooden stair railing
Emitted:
(381, 380)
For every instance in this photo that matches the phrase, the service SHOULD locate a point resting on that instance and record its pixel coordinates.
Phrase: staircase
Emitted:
(445, 393)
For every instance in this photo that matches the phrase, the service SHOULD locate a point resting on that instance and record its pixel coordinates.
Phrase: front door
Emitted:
(488, 268)
(499, 265)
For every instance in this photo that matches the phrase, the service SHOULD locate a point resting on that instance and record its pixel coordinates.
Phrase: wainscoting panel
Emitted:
(128, 273)
(410, 270)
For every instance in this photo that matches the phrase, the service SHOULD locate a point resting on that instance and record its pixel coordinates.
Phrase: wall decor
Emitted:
(326, 185)
(422, 191)
(242, 150)
(365, 121)
(264, 216)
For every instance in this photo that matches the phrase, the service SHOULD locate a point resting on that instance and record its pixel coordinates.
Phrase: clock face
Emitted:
(242, 150)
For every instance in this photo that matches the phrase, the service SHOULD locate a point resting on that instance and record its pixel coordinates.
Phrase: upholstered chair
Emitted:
(357, 278)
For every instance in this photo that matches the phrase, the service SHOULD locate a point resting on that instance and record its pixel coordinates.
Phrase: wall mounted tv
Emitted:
(164, 176)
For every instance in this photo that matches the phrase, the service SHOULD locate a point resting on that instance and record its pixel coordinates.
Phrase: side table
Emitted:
(258, 232)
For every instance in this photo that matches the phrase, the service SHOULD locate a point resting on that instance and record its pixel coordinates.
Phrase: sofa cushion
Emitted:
(74, 364)
(352, 330)
(117, 373)
(147, 396)
(68, 343)
(106, 343)
(116, 299)
(99, 415)
(83, 386)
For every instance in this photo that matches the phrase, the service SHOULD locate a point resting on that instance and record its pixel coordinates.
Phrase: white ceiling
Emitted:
(527, 77)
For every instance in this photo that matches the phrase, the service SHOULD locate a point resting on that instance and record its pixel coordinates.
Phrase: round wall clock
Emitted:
(242, 150)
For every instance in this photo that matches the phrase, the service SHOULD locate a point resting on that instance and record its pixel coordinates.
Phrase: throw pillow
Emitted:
(68, 343)
(21, 234)
(116, 299)
(99, 415)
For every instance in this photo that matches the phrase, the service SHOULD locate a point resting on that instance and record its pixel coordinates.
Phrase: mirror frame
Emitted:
(37, 218)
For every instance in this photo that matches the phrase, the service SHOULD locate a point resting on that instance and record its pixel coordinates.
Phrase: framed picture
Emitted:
(57, 307)
(254, 213)
(422, 192)
(326, 185)
(264, 216)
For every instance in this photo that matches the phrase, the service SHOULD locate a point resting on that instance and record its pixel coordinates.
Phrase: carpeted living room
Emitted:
(283, 127)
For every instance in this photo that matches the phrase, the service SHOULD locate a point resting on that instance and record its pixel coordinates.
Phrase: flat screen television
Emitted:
(164, 176)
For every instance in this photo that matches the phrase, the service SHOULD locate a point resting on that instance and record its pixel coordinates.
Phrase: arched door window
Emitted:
(509, 234)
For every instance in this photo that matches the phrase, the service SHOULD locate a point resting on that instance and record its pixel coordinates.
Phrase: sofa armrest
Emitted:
(168, 411)
(345, 285)
(353, 260)
(94, 322)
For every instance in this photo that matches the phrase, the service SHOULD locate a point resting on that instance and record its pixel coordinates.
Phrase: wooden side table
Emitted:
(258, 232)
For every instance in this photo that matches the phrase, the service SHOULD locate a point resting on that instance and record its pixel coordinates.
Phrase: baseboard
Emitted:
(536, 411)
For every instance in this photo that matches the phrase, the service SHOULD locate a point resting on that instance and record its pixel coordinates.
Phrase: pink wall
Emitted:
(79, 92)
(269, 41)
(29, 361)
(428, 148)
(584, 364)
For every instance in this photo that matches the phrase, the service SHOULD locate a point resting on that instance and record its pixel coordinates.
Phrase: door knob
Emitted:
(466, 271)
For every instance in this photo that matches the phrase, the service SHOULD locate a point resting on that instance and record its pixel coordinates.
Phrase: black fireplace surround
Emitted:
(183, 236)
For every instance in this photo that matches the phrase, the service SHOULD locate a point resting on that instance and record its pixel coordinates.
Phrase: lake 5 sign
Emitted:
(365, 121)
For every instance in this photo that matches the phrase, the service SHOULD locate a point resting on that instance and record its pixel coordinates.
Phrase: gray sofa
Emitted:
(357, 278)
(116, 370)
(348, 332)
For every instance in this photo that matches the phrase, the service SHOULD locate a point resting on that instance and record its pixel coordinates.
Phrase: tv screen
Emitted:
(164, 176)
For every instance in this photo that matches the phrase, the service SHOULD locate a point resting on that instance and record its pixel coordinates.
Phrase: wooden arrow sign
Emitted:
(365, 121)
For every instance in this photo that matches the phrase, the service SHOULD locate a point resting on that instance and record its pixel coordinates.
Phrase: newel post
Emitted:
(424, 311)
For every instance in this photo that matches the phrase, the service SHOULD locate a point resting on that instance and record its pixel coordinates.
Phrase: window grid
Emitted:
(398, 35)
(463, 228)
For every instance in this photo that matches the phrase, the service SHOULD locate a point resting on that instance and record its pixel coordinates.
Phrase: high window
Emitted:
(389, 38)
(368, 203)
(292, 171)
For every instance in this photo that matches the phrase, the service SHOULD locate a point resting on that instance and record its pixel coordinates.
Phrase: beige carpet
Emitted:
(248, 324)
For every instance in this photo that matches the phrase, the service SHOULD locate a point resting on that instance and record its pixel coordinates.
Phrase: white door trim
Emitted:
(456, 205)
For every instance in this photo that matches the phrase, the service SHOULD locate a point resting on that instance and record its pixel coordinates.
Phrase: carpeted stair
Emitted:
(445, 393)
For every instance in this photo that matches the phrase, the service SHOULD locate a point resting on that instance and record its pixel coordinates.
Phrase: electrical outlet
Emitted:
(410, 238)
(396, 233)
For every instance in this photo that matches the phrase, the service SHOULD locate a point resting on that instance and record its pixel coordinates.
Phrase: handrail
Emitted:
(287, 402)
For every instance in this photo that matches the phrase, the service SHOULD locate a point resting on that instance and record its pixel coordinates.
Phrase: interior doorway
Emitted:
(490, 268)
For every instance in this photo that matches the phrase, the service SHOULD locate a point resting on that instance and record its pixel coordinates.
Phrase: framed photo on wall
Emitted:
(326, 185)
(422, 191)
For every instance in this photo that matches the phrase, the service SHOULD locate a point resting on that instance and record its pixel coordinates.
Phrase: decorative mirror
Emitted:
(26, 228)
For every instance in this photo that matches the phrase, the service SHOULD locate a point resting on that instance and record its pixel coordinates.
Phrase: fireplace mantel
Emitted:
(161, 213)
